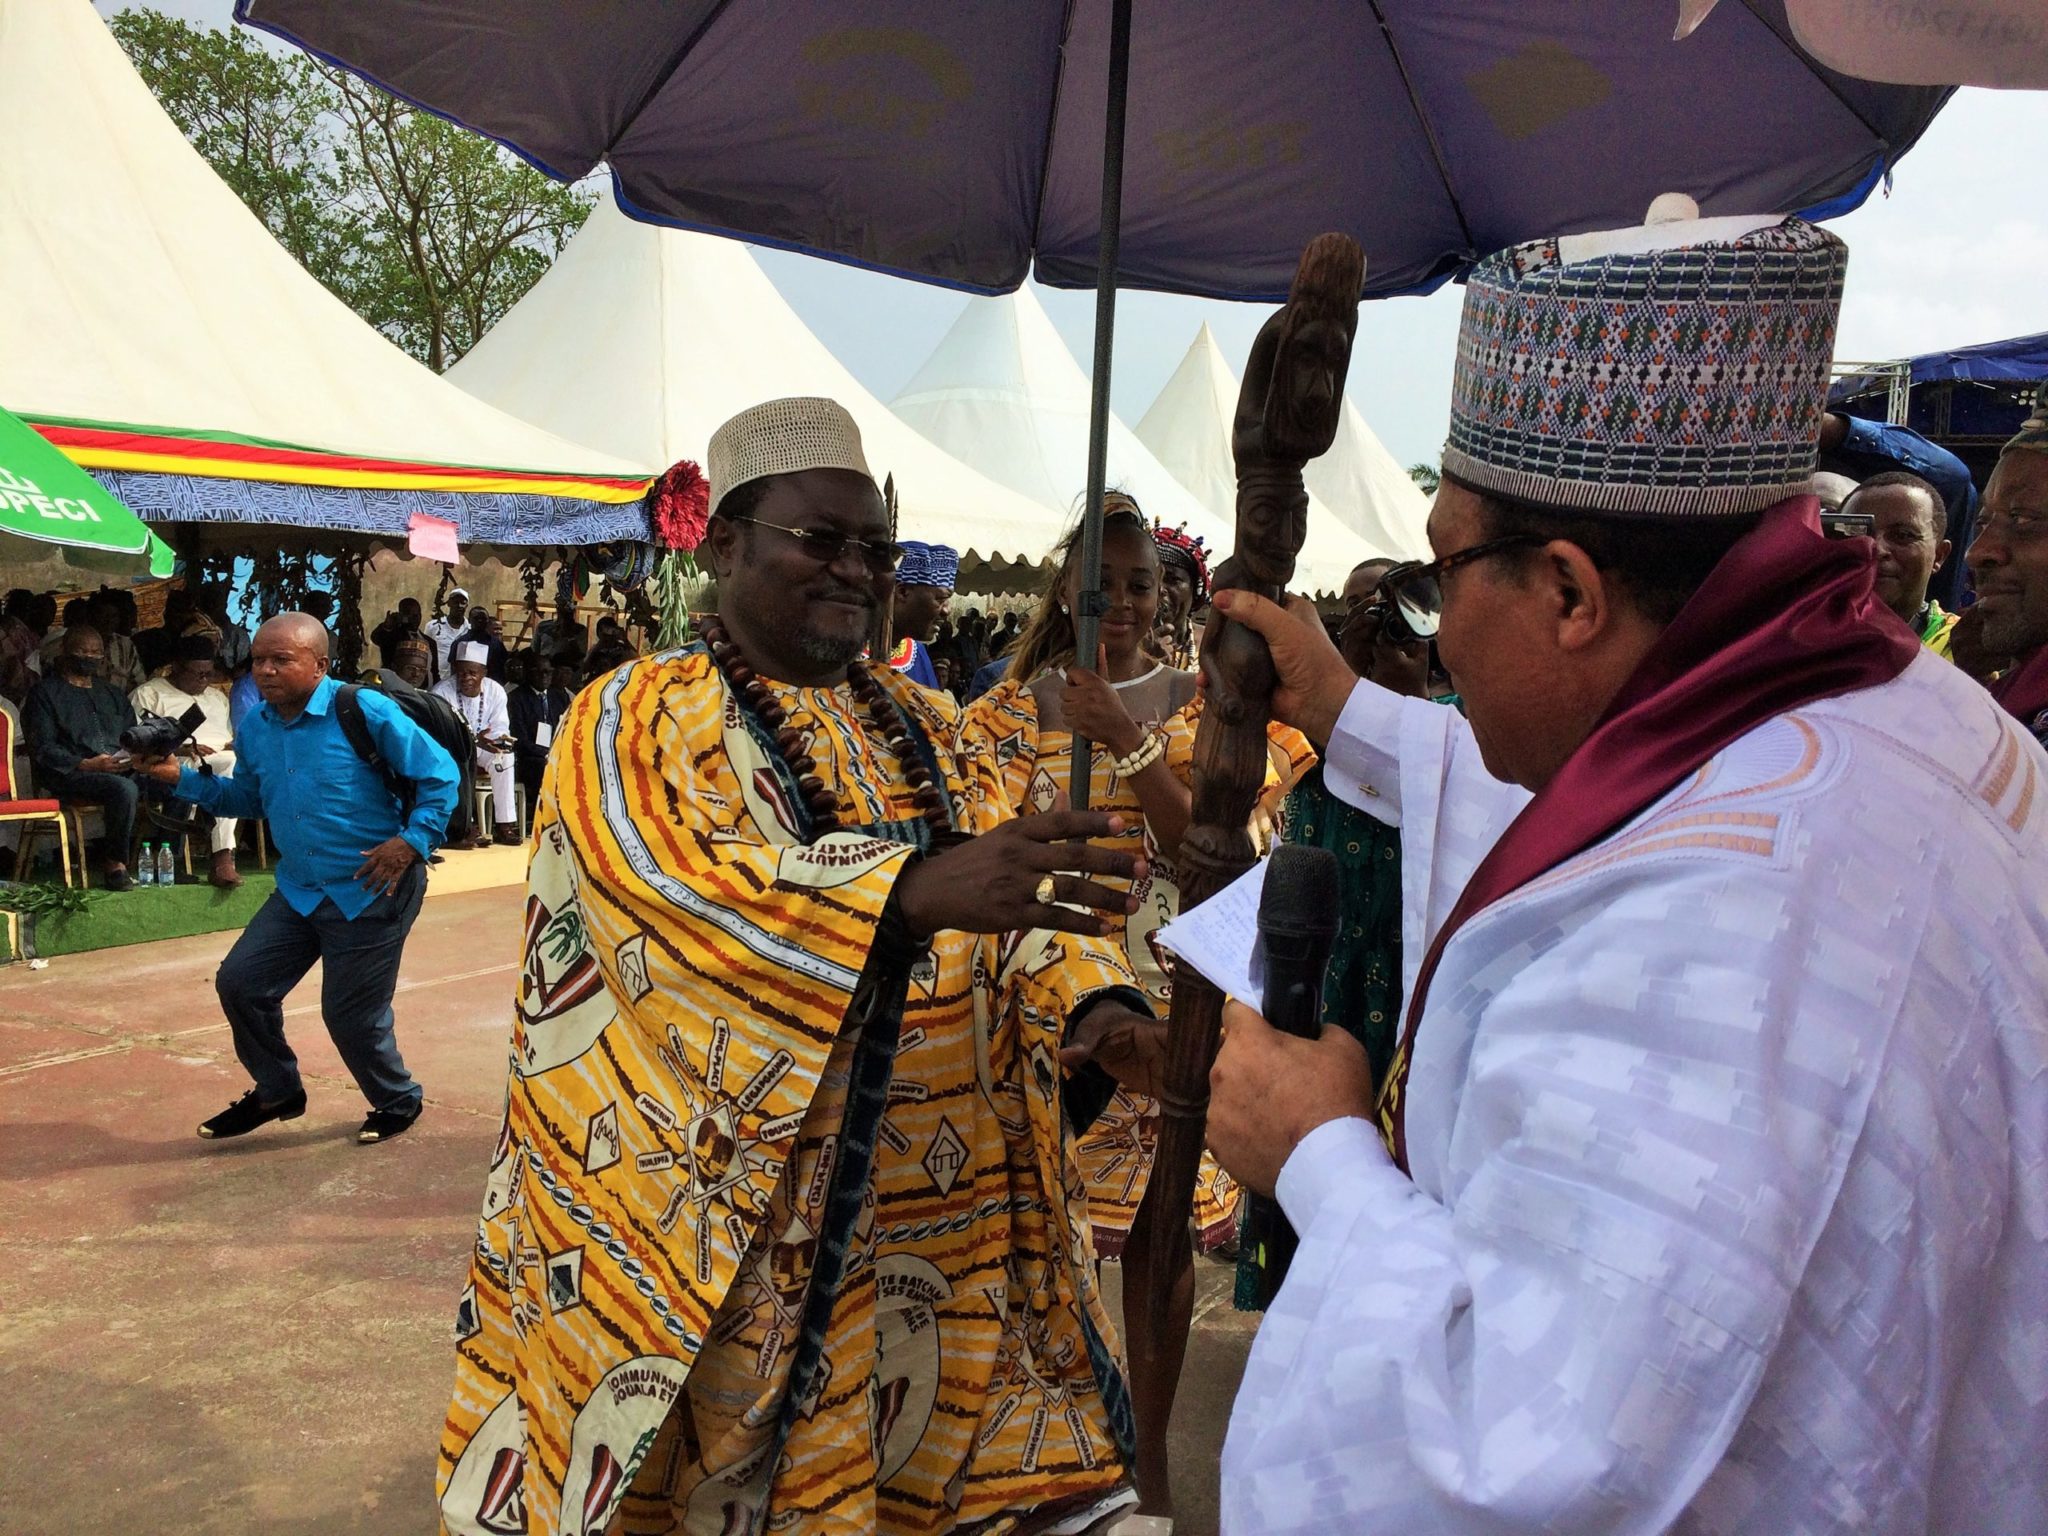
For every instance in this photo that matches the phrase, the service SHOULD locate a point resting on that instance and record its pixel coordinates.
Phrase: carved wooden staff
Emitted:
(1287, 414)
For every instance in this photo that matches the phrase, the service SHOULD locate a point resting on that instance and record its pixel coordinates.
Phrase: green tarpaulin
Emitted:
(46, 498)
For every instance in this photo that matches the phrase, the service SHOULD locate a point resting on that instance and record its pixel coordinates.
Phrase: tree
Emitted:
(1428, 476)
(426, 230)
(257, 117)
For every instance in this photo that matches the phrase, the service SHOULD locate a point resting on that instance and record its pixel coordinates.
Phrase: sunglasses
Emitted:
(1413, 594)
(826, 545)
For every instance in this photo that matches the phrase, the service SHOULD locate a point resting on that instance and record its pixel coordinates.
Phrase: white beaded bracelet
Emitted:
(1143, 756)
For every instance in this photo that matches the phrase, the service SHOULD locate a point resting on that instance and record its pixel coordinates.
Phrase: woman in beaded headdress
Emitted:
(1141, 714)
(1183, 593)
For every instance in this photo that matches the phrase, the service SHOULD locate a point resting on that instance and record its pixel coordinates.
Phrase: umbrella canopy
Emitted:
(640, 341)
(154, 330)
(961, 144)
(1378, 511)
(47, 499)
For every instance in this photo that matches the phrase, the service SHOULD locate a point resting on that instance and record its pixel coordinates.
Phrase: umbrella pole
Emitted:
(1088, 619)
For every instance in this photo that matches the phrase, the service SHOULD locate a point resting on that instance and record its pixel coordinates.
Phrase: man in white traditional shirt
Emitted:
(188, 682)
(445, 632)
(482, 705)
(1708, 1188)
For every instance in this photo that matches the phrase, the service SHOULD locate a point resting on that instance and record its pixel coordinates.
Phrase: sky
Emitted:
(1940, 262)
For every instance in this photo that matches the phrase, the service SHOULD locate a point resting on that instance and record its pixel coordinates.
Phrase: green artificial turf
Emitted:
(147, 913)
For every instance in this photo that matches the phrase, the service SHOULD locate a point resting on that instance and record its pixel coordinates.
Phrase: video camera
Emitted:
(158, 736)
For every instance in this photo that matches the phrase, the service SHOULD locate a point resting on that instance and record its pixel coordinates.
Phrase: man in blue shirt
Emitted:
(350, 874)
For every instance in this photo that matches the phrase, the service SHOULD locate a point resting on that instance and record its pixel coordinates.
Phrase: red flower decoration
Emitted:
(681, 506)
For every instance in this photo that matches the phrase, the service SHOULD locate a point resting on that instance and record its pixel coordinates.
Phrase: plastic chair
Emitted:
(482, 785)
(34, 817)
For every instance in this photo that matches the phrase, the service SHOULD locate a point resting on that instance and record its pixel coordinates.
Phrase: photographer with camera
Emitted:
(350, 875)
(186, 686)
(73, 723)
(399, 625)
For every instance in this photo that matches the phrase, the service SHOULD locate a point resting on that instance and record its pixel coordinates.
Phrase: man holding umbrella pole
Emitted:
(1704, 1190)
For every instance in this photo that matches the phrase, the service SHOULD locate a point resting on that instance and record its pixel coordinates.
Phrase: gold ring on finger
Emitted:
(1044, 892)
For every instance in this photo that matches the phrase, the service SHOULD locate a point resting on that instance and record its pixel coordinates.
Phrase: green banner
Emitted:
(47, 498)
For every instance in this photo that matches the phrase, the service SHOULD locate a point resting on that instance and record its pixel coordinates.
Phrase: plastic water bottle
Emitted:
(145, 870)
(166, 866)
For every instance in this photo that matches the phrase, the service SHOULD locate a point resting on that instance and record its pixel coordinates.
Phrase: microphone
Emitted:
(1298, 916)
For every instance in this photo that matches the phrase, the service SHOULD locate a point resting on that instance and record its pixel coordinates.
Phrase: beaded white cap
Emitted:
(781, 437)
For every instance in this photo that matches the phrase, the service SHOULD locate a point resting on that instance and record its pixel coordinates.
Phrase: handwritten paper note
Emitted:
(431, 538)
(1220, 938)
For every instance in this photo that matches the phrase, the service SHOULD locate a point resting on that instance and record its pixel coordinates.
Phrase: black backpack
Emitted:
(432, 714)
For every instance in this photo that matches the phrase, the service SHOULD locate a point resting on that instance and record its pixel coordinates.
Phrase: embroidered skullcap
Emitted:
(472, 650)
(1187, 548)
(197, 647)
(928, 565)
(783, 437)
(1676, 369)
(2033, 432)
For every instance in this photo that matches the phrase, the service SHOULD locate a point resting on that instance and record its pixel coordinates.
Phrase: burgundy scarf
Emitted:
(2024, 691)
(1787, 617)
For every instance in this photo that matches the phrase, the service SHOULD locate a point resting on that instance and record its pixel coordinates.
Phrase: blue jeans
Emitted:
(279, 947)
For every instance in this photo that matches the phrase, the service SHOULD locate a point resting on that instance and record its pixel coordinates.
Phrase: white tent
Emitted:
(1188, 428)
(1365, 488)
(141, 295)
(1002, 391)
(640, 341)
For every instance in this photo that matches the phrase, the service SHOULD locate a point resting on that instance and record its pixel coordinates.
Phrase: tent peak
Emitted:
(643, 338)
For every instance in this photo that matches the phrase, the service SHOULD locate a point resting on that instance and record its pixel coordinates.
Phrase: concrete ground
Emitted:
(254, 1336)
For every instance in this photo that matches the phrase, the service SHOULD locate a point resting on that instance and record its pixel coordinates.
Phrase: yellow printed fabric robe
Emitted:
(1003, 743)
(764, 1248)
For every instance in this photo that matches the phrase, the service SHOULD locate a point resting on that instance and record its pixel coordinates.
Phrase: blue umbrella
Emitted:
(962, 143)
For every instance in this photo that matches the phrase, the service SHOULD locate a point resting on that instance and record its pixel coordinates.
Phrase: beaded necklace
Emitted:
(483, 707)
(887, 720)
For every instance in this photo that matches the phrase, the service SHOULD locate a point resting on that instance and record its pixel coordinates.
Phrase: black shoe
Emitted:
(248, 1112)
(383, 1124)
(121, 880)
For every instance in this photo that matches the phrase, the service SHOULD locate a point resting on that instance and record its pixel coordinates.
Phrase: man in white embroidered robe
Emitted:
(1724, 1107)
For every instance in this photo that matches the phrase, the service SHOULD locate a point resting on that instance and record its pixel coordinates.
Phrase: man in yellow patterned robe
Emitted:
(784, 1230)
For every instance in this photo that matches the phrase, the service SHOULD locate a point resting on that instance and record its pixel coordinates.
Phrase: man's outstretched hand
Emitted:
(990, 883)
(1129, 1046)
(162, 769)
(1268, 1090)
(1314, 679)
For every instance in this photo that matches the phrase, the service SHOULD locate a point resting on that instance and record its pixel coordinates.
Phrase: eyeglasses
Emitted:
(1414, 593)
(826, 545)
